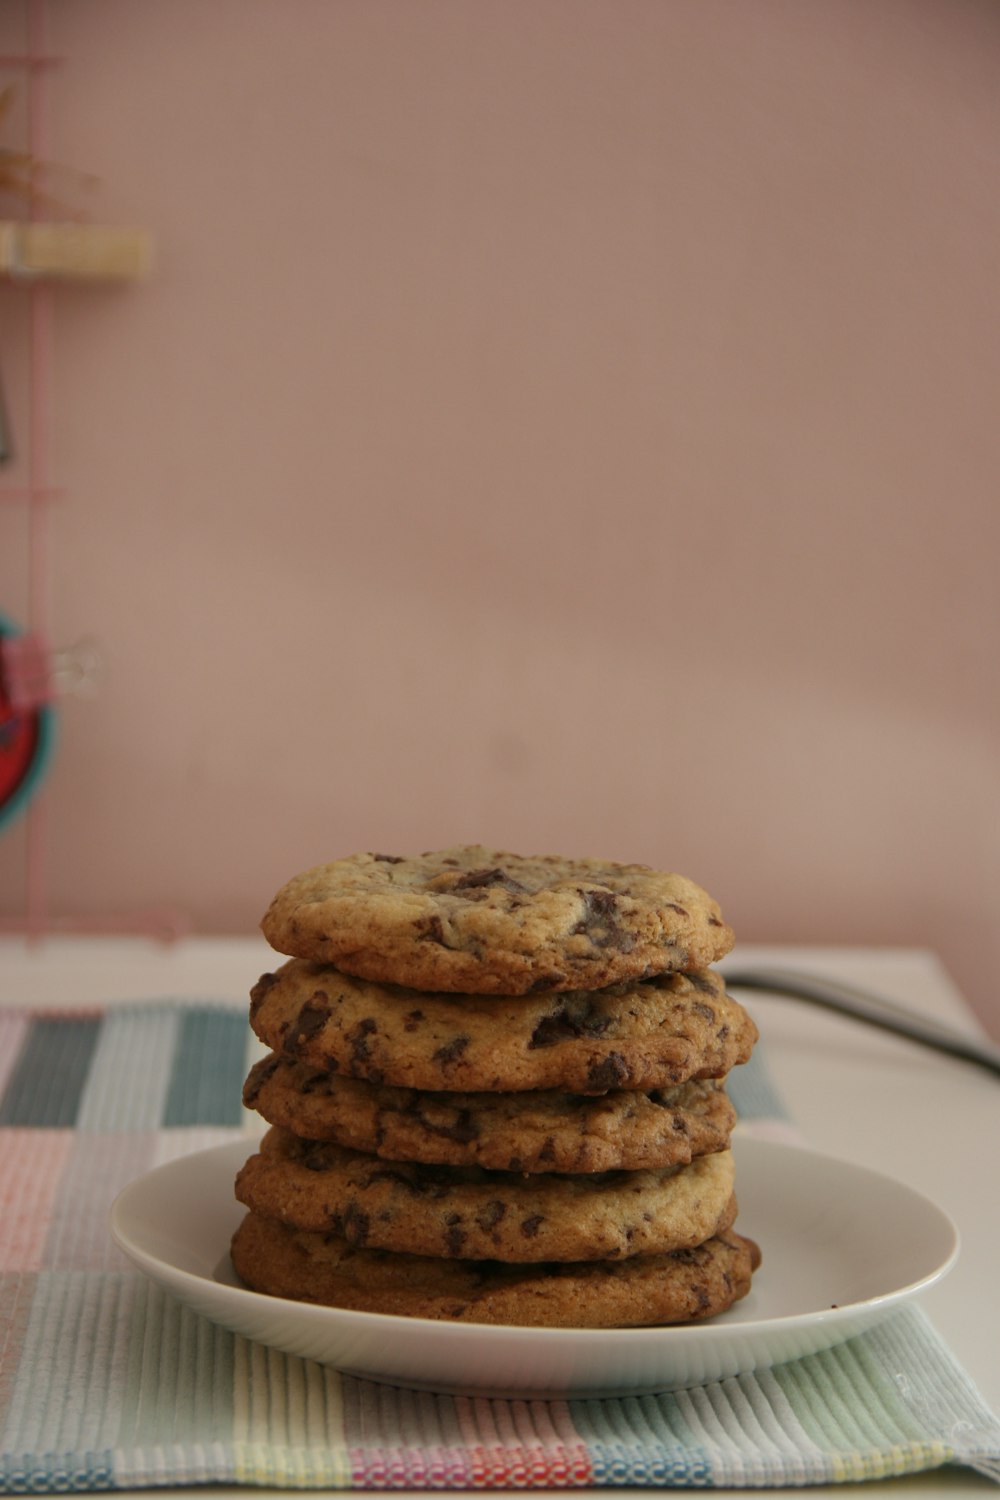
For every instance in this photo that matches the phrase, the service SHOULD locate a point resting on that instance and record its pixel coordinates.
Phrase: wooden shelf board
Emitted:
(32, 250)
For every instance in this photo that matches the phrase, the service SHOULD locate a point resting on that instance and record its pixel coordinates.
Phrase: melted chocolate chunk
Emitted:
(361, 1056)
(257, 1079)
(531, 1225)
(569, 1022)
(359, 1036)
(310, 1020)
(600, 921)
(455, 1236)
(474, 880)
(611, 1073)
(389, 859)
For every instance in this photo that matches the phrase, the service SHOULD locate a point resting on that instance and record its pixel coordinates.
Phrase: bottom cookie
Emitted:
(680, 1287)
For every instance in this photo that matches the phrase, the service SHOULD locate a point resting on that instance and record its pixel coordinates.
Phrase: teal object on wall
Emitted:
(27, 738)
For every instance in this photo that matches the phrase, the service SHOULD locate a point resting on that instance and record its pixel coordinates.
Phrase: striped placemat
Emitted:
(108, 1383)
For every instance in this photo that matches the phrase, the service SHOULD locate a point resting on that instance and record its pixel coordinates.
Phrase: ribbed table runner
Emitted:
(106, 1382)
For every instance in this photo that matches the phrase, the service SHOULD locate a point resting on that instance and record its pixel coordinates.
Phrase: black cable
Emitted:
(864, 1006)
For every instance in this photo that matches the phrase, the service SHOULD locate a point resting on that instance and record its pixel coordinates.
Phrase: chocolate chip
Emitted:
(314, 1158)
(423, 1181)
(455, 1237)
(703, 1010)
(412, 1020)
(365, 1028)
(489, 1217)
(680, 910)
(545, 982)
(399, 1177)
(531, 1225)
(461, 1127)
(265, 983)
(451, 1051)
(389, 859)
(430, 930)
(354, 1225)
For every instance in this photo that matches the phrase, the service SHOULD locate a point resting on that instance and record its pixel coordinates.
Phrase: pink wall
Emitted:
(569, 424)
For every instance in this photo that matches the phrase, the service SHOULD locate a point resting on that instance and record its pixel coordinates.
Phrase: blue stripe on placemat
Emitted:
(208, 1070)
(51, 1072)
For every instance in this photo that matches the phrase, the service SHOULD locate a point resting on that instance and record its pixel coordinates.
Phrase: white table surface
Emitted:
(852, 1091)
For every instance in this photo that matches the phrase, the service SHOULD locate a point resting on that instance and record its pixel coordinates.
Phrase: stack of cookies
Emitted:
(496, 1094)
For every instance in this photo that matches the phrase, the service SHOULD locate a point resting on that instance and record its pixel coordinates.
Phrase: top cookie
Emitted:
(483, 921)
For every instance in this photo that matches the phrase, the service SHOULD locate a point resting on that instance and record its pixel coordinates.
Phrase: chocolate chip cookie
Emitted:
(485, 921)
(526, 1132)
(474, 1214)
(645, 1034)
(679, 1287)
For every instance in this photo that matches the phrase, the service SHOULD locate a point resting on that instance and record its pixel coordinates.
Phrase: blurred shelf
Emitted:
(37, 251)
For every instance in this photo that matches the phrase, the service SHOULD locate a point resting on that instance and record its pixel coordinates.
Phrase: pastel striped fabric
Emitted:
(107, 1383)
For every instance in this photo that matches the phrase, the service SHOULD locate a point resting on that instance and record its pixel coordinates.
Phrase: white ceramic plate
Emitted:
(842, 1245)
